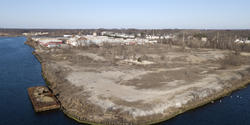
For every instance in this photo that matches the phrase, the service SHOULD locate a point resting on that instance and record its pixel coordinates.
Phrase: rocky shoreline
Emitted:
(192, 106)
(54, 76)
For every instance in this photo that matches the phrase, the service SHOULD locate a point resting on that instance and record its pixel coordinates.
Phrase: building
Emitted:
(35, 34)
(49, 42)
(67, 36)
(152, 37)
(242, 41)
(77, 41)
(108, 37)
(204, 39)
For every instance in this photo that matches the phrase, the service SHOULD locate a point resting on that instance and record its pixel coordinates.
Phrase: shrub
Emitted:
(232, 60)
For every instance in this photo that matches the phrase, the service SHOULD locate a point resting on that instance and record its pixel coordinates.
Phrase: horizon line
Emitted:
(28, 28)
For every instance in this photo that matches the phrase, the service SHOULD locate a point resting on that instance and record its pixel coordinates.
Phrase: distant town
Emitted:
(137, 38)
(98, 39)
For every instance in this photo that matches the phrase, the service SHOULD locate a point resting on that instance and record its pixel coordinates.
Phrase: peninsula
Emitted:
(138, 81)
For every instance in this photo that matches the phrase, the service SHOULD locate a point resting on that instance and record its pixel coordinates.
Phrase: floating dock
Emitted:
(42, 99)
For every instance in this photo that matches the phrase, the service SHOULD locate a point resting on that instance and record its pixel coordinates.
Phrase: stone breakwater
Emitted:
(98, 92)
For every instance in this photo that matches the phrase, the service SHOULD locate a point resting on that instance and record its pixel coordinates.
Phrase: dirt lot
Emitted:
(138, 84)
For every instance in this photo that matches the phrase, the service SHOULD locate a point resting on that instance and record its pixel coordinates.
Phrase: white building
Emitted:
(77, 41)
(242, 41)
(152, 37)
(204, 39)
(35, 33)
(48, 42)
(67, 36)
(99, 40)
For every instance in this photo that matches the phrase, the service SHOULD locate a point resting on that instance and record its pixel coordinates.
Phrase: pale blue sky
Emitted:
(188, 14)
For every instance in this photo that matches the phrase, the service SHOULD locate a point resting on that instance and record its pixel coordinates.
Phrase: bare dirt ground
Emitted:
(138, 84)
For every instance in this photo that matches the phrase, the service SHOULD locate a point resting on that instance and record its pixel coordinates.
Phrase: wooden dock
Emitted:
(42, 99)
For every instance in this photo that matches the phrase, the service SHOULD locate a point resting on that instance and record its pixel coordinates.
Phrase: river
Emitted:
(20, 70)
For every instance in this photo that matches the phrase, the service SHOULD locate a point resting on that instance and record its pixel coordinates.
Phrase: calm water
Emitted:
(19, 70)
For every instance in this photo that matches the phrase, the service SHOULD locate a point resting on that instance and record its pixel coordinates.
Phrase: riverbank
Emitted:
(206, 101)
(186, 108)
(51, 76)
(10, 35)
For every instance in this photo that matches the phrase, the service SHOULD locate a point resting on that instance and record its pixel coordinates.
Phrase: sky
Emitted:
(141, 14)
